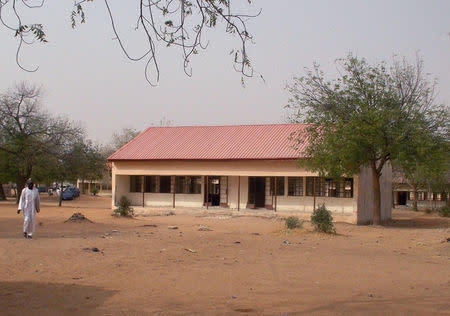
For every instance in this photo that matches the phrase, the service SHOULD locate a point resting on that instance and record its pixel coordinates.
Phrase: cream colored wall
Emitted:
(233, 192)
(212, 168)
(158, 199)
(359, 206)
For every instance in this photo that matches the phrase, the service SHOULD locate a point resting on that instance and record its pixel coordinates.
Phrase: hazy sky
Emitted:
(87, 78)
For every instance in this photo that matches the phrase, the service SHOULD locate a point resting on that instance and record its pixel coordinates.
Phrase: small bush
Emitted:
(322, 220)
(124, 208)
(293, 222)
(428, 210)
(94, 190)
(444, 211)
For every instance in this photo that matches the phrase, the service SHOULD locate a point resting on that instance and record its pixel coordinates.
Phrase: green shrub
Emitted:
(444, 211)
(124, 208)
(428, 210)
(322, 220)
(94, 190)
(293, 222)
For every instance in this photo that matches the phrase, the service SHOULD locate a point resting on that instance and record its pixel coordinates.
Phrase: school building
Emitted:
(237, 167)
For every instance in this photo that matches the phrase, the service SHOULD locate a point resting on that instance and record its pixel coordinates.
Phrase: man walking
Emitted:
(29, 204)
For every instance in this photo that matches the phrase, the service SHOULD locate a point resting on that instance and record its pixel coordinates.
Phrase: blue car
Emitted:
(68, 194)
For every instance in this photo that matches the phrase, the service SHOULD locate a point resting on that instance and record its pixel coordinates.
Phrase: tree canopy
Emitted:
(178, 23)
(35, 143)
(368, 116)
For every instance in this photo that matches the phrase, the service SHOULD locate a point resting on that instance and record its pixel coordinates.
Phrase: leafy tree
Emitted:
(367, 116)
(122, 137)
(29, 136)
(179, 23)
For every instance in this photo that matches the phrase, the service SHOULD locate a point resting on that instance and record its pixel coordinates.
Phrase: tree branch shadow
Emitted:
(38, 298)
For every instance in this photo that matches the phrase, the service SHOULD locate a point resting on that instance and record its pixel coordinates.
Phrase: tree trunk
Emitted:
(416, 196)
(20, 185)
(376, 196)
(60, 194)
(447, 199)
(82, 186)
(392, 199)
(2, 193)
(430, 197)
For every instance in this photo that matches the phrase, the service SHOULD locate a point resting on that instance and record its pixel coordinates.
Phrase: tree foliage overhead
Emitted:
(180, 23)
(367, 116)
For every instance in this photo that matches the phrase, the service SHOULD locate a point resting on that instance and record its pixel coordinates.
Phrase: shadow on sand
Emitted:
(424, 222)
(34, 298)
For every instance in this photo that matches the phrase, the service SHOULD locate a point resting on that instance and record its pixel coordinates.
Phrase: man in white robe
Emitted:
(29, 204)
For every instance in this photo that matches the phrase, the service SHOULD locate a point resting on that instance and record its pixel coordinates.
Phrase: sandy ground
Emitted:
(241, 267)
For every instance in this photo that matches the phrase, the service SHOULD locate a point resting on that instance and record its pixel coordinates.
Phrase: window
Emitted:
(309, 186)
(188, 185)
(331, 188)
(164, 184)
(348, 187)
(280, 186)
(150, 184)
(135, 183)
(295, 186)
(342, 188)
(420, 196)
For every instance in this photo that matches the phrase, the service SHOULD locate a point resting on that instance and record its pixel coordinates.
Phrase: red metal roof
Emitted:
(231, 142)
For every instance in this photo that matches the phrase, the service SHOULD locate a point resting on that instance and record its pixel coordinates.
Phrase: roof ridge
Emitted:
(225, 125)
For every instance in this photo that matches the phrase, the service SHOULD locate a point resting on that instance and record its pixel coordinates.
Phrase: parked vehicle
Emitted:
(42, 189)
(68, 194)
(76, 191)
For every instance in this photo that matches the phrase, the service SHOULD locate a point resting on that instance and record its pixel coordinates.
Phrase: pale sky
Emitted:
(87, 78)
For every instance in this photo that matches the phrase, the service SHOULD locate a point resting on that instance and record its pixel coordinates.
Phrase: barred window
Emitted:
(188, 185)
(150, 184)
(295, 186)
(310, 186)
(135, 183)
(331, 188)
(420, 196)
(348, 187)
(280, 186)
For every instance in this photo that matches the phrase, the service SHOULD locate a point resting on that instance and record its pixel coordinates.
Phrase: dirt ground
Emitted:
(244, 266)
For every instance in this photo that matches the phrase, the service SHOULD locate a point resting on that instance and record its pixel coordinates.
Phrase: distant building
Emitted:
(403, 193)
(237, 167)
(103, 185)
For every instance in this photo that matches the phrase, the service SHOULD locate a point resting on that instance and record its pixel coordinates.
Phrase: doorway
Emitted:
(257, 192)
(212, 191)
(401, 197)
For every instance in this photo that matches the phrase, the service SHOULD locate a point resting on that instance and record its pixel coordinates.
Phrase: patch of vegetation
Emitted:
(322, 220)
(428, 210)
(444, 211)
(293, 222)
(124, 208)
(94, 190)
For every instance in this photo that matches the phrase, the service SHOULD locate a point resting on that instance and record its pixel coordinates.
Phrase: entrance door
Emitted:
(212, 191)
(257, 191)
(401, 197)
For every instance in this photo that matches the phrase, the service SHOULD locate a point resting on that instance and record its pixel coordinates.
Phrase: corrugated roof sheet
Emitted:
(230, 142)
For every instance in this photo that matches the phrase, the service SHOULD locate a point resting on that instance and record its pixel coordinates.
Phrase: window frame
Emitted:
(298, 187)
